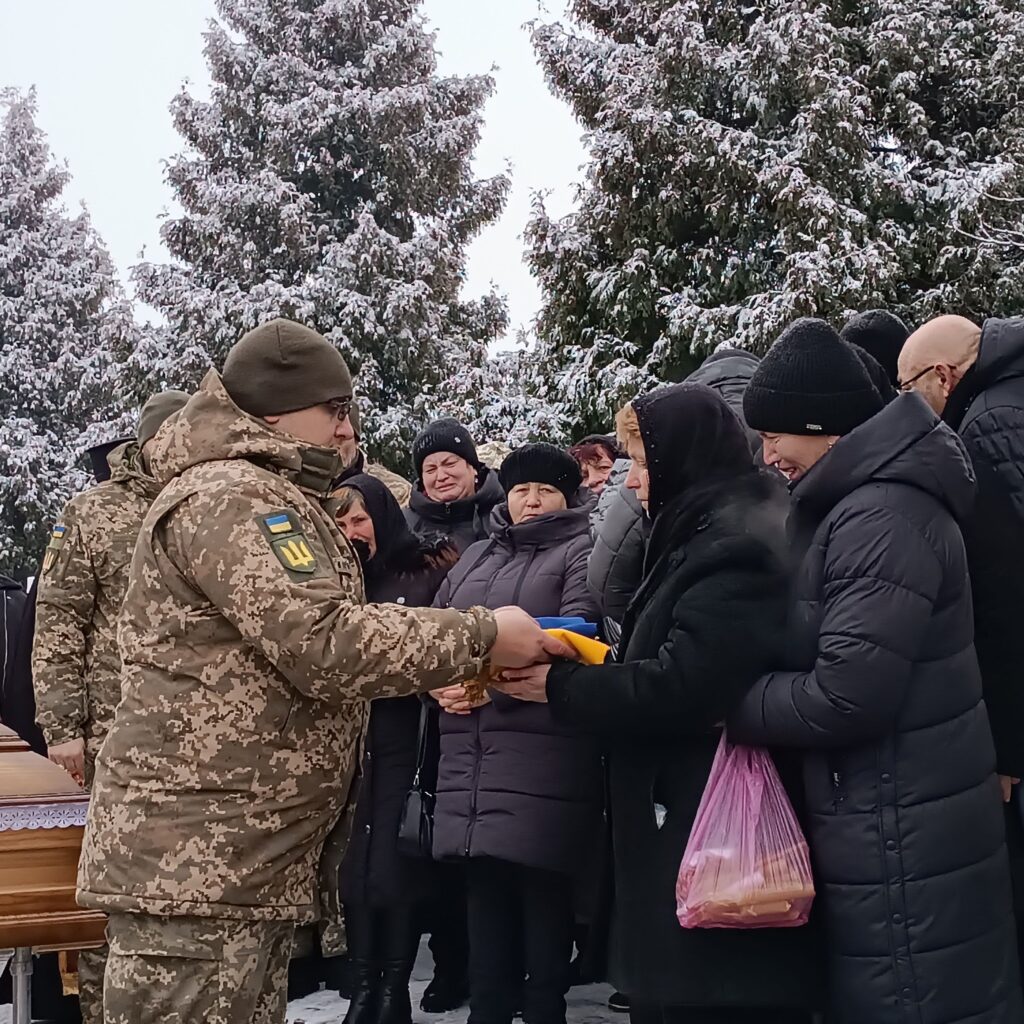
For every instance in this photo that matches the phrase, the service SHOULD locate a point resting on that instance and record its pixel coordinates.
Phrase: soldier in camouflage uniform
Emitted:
(76, 667)
(249, 657)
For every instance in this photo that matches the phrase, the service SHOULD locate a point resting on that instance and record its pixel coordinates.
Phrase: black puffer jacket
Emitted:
(405, 570)
(512, 783)
(987, 410)
(18, 698)
(12, 610)
(882, 692)
(728, 372)
(463, 522)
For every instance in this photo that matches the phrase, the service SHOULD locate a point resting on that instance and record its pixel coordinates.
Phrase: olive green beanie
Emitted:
(282, 366)
(160, 407)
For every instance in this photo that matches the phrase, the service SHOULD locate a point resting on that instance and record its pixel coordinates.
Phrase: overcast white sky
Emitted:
(105, 71)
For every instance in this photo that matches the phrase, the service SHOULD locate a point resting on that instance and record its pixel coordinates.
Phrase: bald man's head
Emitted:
(936, 356)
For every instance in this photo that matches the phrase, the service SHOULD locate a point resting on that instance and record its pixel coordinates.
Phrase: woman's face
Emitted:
(794, 454)
(527, 501)
(448, 478)
(596, 472)
(639, 478)
(356, 524)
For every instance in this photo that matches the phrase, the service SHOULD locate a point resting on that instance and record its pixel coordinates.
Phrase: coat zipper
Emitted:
(478, 755)
(838, 787)
(522, 577)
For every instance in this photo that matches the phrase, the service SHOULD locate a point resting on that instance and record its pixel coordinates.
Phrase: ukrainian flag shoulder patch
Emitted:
(57, 536)
(279, 523)
(283, 531)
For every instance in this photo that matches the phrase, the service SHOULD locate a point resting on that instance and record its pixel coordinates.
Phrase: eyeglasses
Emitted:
(904, 386)
(341, 407)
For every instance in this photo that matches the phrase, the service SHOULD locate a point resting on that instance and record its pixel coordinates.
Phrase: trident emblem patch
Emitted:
(283, 531)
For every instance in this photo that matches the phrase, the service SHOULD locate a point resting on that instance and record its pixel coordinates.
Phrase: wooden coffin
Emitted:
(42, 820)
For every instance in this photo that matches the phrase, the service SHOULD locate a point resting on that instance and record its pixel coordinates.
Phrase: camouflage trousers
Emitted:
(192, 970)
(92, 965)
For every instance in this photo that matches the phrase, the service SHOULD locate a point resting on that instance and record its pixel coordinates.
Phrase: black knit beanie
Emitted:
(282, 366)
(541, 464)
(875, 372)
(881, 334)
(810, 382)
(444, 436)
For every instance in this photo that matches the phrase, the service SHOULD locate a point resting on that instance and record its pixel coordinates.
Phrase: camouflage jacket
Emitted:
(249, 659)
(76, 668)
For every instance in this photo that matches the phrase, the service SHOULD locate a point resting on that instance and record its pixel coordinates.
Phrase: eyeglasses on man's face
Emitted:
(904, 386)
(341, 407)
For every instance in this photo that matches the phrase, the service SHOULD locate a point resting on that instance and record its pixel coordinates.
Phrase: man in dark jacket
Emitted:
(974, 378)
(455, 492)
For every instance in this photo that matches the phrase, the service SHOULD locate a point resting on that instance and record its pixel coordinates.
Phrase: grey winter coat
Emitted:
(618, 527)
(882, 693)
(513, 784)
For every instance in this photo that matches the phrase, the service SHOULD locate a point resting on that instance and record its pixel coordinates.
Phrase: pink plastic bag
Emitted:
(746, 864)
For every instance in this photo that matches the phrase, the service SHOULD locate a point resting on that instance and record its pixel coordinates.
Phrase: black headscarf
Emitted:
(391, 532)
(690, 436)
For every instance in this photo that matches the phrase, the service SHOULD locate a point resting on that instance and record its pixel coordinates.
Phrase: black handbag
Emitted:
(416, 828)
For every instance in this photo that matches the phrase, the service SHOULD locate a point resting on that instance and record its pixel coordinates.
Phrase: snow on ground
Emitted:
(587, 1004)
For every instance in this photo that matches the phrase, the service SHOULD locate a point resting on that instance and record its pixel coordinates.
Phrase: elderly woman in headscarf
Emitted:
(704, 624)
(383, 891)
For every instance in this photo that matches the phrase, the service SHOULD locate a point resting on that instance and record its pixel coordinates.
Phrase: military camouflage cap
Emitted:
(282, 366)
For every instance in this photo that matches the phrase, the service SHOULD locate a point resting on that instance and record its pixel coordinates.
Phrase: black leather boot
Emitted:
(395, 1006)
(445, 993)
(366, 984)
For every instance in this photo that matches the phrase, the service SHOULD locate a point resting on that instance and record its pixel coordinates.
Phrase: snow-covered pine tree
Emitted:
(328, 179)
(505, 399)
(64, 323)
(752, 163)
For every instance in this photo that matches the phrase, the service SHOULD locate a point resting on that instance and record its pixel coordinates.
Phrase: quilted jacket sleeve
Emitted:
(881, 580)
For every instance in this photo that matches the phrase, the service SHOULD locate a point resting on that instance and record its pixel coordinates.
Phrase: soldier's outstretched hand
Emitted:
(522, 642)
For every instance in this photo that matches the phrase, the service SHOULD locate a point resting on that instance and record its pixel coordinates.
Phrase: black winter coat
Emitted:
(881, 690)
(18, 699)
(513, 784)
(462, 522)
(705, 622)
(987, 411)
(13, 601)
(728, 372)
(406, 570)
